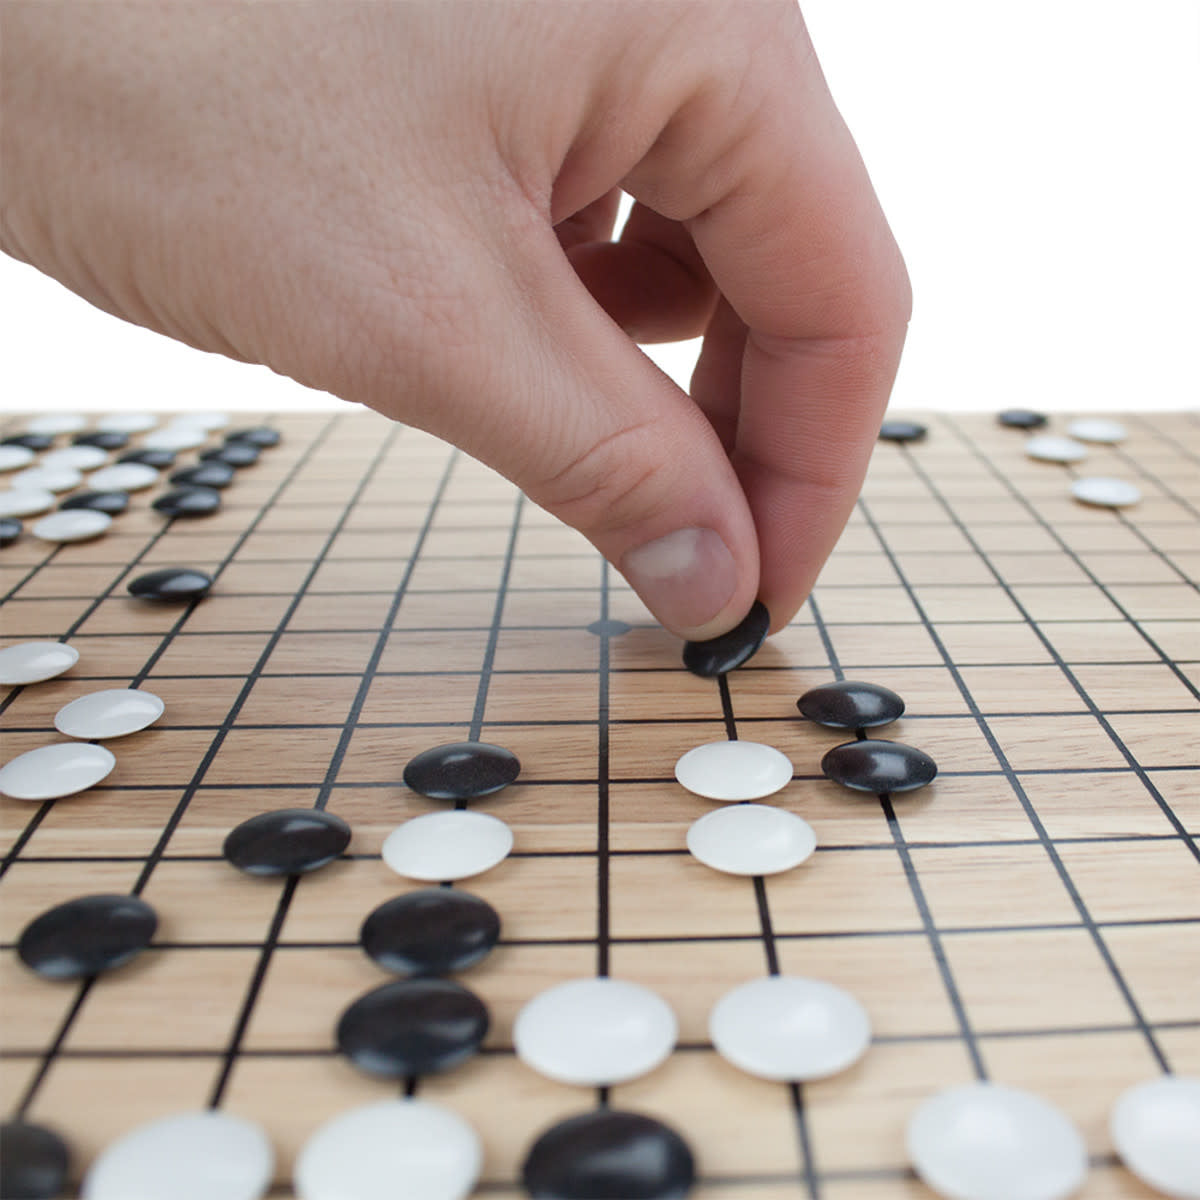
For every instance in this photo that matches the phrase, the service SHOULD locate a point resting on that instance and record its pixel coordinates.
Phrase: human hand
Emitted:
(409, 204)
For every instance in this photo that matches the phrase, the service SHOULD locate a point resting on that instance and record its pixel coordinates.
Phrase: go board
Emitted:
(1032, 917)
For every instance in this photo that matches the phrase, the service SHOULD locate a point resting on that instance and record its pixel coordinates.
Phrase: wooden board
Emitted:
(1033, 917)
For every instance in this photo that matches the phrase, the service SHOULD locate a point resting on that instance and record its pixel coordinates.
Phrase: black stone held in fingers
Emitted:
(158, 459)
(188, 502)
(875, 765)
(259, 435)
(205, 474)
(113, 503)
(10, 530)
(179, 585)
(413, 1027)
(288, 841)
(902, 431)
(719, 655)
(235, 454)
(609, 1153)
(432, 931)
(102, 439)
(461, 770)
(86, 936)
(34, 1162)
(850, 704)
(1021, 418)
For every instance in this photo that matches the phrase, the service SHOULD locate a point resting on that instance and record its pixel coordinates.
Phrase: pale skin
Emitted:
(409, 203)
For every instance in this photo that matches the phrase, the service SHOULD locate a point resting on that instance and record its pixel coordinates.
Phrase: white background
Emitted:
(1038, 160)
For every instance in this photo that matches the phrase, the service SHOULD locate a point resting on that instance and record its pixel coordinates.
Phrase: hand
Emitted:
(409, 204)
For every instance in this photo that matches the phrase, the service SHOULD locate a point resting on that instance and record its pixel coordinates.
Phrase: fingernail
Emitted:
(685, 578)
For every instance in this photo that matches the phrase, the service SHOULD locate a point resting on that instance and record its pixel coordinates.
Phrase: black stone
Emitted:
(34, 1162)
(10, 530)
(205, 474)
(413, 1027)
(103, 439)
(609, 628)
(37, 442)
(1021, 418)
(113, 503)
(606, 1154)
(86, 936)
(178, 584)
(433, 931)
(188, 502)
(874, 765)
(158, 459)
(902, 431)
(236, 454)
(290, 841)
(461, 770)
(260, 435)
(721, 654)
(849, 704)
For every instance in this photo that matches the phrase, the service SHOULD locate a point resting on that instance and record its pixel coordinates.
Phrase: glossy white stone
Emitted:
(76, 458)
(123, 477)
(985, 1141)
(595, 1032)
(447, 845)
(112, 713)
(188, 1156)
(1156, 1129)
(1110, 493)
(1097, 429)
(31, 662)
(52, 771)
(785, 1027)
(130, 422)
(208, 421)
(13, 458)
(71, 525)
(175, 437)
(24, 502)
(734, 770)
(1050, 447)
(47, 479)
(387, 1150)
(751, 839)
(52, 424)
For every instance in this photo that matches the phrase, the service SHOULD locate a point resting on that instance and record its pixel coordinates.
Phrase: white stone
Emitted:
(389, 1149)
(751, 839)
(52, 771)
(1097, 429)
(52, 424)
(47, 479)
(31, 662)
(175, 437)
(24, 502)
(785, 1027)
(1050, 447)
(208, 421)
(447, 845)
(112, 713)
(77, 458)
(71, 525)
(1111, 493)
(1156, 1129)
(123, 477)
(127, 422)
(188, 1156)
(984, 1141)
(595, 1032)
(13, 458)
(734, 770)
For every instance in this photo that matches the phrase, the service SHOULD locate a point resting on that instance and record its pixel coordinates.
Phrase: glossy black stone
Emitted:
(236, 454)
(86, 936)
(850, 704)
(605, 1154)
(1021, 418)
(259, 435)
(174, 584)
(413, 1027)
(37, 442)
(433, 931)
(609, 628)
(461, 770)
(34, 1162)
(103, 439)
(721, 654)
(10, 530)
(158, 459)
(289, 841)
(902, 431)
(874, 765)
(205, 474)
(188, 502)
(113, 503)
